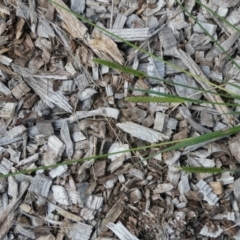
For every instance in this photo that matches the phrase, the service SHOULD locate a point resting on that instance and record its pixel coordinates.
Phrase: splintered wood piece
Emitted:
(14, 202)
(56, 145)
(211, 231)
(45, 128)
(162, 188)
(58, 171)
(121, 231)
(206, 190)
(155, 69)
(104, 47)
(136, 173)
(112, 215)
(65, 135)
(181, 91)
(71, 23)
(44, 29)
(17, 131)
(139, 34)
(5, 166)
(207, 119)
(160, 120)
(94, 202)
(41, 185)
(150, 11)
(8, 110)
(4, 89)
(77, 231)
(234, 147)
(102, 111)
(117, 147)
(210, 28)
(135, 196)
(64, 213)
(217, 187)
(25, 232)
(78, 6)
(60, 194)
(30, 159)
(87, 214)
(195, 69)
(13, 187)
(48, 95)
(7, 224)
(142, 132)
(78, 136)
(120, 21)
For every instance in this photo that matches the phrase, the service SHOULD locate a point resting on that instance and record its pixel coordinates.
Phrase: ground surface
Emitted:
(57, 104)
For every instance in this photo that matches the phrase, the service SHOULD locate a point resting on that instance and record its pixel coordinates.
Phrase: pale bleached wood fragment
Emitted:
(73, 25)
(112, 215)
(7, 224)
(8, 110)
(104, 47)
(16, 131)
(25, 232)
(5, 60)
(64, 213)
(77, 231)
(20, 90)
(13, 187)
(40, 185)
(207, 230)
(120, 21)
(94, 202)
(4, 89)
(210, 28)
(86, 94)
(135, 196)
(14, 202)
(139, 34)
(56, 145)
(78, 6)
(181, 91)
(65, 135)
(87, 214)
(58, 171)
(136, 173)
(206, 190)
(150, 11)
(160, 121)
(162, 188)
(60, 194)
(117, 147)
(121, 231)
(78, 136)
(46, 93)
(142, 132)
(133, 21)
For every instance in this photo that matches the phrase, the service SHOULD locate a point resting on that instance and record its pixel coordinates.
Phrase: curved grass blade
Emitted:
(160, 99)
(119, 67)
(202, 170)
(208, 137)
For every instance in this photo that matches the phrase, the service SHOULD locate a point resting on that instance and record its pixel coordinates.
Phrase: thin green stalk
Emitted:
(161, 99)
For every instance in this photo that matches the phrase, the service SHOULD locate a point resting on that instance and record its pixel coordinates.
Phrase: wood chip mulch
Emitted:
(57, 104)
